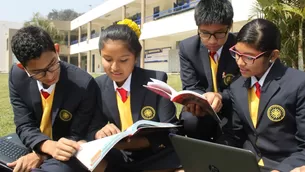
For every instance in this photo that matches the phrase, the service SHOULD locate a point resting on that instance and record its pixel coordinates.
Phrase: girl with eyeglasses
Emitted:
(268, 100)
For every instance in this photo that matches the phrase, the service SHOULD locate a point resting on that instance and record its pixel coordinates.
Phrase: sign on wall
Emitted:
(157, 55)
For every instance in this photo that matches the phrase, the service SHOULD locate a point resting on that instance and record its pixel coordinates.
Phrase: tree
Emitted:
(298, 12)
(63, 15)
(48, 26)
(289, 16)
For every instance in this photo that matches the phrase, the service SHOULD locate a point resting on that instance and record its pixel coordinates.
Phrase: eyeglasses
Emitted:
(43, 72)
(217, 35)
(248, 59)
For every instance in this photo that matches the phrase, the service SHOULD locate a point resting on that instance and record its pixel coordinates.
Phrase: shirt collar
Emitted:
(262, 80)
(48, 90)
(126, 84)
(218, 52)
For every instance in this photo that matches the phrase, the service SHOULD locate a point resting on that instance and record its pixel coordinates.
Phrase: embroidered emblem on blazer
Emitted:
(65, 115)
(276, 113)
(227, 78)
(148, 112)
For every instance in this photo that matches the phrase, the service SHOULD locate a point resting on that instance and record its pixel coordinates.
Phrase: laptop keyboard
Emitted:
(12, 150)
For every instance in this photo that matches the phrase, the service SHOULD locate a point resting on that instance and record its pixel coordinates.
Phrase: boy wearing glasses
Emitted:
(206, 66)
(53, 103)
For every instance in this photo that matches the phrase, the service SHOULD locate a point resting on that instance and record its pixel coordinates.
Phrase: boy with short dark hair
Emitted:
(206, 65)
(53, 103)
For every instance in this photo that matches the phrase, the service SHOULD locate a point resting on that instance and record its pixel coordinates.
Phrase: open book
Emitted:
(91, 153)
(183, 97)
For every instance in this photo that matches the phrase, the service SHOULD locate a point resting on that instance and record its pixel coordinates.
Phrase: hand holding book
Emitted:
(194, 102)
(214, 99)
(91, 153)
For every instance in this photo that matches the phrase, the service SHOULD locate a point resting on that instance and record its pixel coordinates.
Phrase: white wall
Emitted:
(84, 46)
(164, 5)
(242, 9)
(98, 11)
(4, 34)
(169, 25)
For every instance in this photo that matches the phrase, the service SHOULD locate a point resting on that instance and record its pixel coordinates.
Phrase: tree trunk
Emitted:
(300, 47)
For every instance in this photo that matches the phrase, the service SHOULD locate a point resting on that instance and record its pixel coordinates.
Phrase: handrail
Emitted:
(172, 11)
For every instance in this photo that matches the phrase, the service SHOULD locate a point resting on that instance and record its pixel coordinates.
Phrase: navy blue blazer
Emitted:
(195, 68)
(73, 105)
(279, 138)
(141, 98)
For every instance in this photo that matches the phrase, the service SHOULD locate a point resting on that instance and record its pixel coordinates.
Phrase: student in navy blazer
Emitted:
(119, 47)
(73, 102)
(214, 19)
(268, 101)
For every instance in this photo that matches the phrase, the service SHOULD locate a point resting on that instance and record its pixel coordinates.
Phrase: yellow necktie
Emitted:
(214, 67)
(46, 120)
(254, 96)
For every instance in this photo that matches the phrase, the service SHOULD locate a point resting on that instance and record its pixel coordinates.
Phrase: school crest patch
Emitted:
(65, 115)
(148, 112)
(227, 78)
(276, 113)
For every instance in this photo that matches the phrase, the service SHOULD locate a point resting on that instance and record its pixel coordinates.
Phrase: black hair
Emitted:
(123, 33)
(30, 42)
(262, 34)
(214, 12)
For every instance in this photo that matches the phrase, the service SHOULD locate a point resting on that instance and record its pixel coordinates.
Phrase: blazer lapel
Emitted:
(270, 87)
(111, 102)
(137, 93)
(243, 97)
(59, 93)
(221, 65)
(36, 99)
(205, 60)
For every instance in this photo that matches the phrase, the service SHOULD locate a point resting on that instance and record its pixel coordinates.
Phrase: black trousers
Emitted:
(53, 165)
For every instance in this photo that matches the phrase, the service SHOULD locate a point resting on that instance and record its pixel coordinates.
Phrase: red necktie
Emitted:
(45, 94)
(123, 94)
(258, 90)
(212, 54)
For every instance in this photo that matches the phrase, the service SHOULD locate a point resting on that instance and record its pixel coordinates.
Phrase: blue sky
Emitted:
(22, 10)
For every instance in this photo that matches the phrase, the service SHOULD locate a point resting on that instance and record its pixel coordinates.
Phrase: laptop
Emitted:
(201, 156)
(11, 148)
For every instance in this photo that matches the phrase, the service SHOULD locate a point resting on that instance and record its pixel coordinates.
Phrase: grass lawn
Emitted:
(6, 115)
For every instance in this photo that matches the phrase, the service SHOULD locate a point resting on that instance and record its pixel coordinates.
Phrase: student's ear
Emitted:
(274, 55)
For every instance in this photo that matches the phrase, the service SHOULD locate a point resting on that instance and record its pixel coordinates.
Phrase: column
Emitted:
(123, 12)
(69, 38)
(88, 31)
(79, 60)
(79, 34)
(68, 58)
(88, 61)
(143, 5)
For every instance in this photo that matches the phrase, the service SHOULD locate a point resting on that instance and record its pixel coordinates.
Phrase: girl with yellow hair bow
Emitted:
(124, 101)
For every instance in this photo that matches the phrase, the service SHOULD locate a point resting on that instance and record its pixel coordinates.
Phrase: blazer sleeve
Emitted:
(85, 111)
(167, 113)
(27, 127)
(233, 132)
(187, 72)
(99, 119)
(298, 158)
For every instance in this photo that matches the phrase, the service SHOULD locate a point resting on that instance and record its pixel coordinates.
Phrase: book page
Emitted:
(152, 124)
(186, 97)
(91, 153)
(162, 85)
(143, 127)
(158, 91)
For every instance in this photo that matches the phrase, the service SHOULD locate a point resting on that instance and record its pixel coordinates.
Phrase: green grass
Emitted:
(6, 114)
